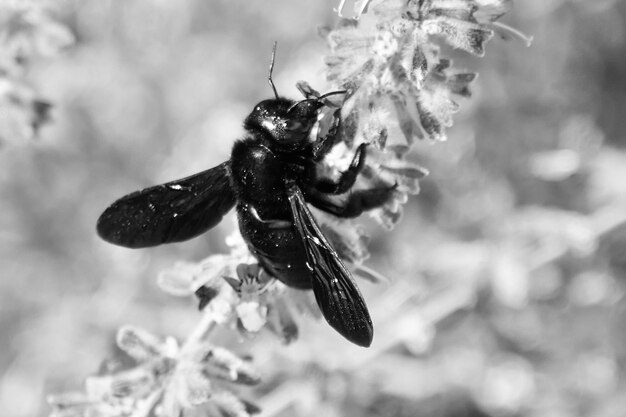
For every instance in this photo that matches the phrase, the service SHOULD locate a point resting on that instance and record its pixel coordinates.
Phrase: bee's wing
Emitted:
(335, 290)
(171, 212)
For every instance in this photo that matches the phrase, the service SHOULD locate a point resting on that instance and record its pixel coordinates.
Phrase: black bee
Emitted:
(270, 178)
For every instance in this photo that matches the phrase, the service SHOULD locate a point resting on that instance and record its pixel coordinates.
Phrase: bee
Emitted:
(270, 179)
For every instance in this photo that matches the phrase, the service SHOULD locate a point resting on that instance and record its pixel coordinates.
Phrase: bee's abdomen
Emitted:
(277, 246)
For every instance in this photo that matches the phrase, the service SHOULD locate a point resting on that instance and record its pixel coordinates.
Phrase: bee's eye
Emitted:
(295, 125)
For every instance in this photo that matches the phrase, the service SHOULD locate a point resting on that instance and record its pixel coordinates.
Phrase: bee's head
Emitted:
(284, 124)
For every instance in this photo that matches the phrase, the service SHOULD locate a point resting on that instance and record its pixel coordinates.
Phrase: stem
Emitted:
(528, 40)
(603, 222)
(201, 331)
(148, 405)
(339, 9)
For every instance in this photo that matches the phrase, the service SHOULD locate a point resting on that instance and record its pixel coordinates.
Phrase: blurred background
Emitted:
(507, 272)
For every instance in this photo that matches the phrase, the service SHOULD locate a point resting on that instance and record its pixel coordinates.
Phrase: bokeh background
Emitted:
(506, 293)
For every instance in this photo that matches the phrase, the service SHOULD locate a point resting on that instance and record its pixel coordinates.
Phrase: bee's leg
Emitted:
(271, 223)
(346, 179)
(324, 144)
(356, 203)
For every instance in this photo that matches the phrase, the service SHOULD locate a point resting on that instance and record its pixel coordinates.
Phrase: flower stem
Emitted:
(201, 331)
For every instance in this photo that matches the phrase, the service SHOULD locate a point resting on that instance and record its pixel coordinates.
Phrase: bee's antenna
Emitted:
(332, 93)
(272, 69)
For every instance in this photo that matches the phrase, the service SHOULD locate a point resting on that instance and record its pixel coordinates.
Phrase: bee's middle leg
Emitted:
(356, 202)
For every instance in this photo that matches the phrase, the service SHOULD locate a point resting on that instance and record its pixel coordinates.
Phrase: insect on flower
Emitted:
(270, 178)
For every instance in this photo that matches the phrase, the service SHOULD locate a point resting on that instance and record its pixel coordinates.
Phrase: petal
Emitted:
(213, 268)
(140, 344)
(170, 406)
(193, 387)
(137, 382)
(459, 83)
(220, 309)
(348, 238)
(386, 216)
(407, 121)
(406, 175)
(491, 10)
(222, 363)
(229, 405)
(281, 321)
(370, 275)
(178, 280)
(306, 90)
(303, 302)
(253, 316)
(375, 129)
(73, 404)
(465, 35)
(431, 124)
(248, 271)
(234, 283)
(206, 294)
(458, 9)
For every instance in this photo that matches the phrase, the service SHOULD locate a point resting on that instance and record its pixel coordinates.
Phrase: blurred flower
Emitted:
(360, 7)
(397, 69)
(393, 70)
(251, 288)
(508, 385)
(236, 292)
(22, 113)
(348, 238)
(398, 65)
(546, 234)
(26, 32)
(555, 165)
(167, 379)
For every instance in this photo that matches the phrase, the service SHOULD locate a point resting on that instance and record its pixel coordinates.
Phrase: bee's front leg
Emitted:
(325, 143)
(346, 179)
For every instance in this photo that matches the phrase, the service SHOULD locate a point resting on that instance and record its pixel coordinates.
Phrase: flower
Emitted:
(168, 378)
(398, 66)
(22, 113)
(236, 292)
(251, 287)
(396, 71)
(26, 32)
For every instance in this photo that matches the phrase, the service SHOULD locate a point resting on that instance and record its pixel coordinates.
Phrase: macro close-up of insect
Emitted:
(271, 177)
(422, 216)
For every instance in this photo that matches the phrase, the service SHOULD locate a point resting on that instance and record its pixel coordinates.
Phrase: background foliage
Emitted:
(506, 294)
